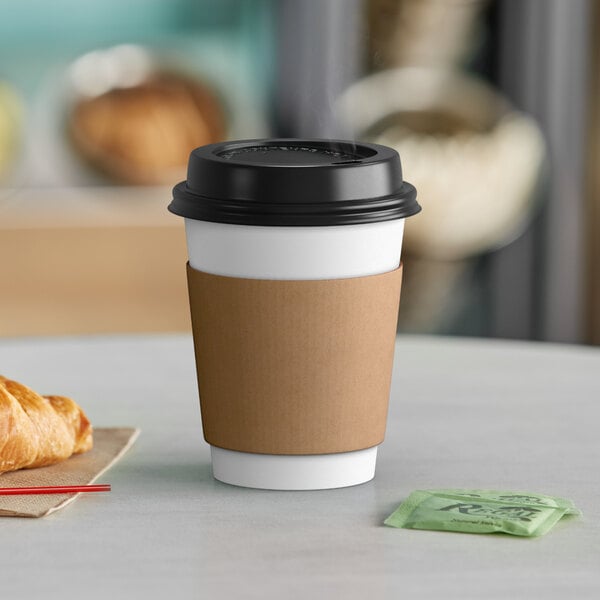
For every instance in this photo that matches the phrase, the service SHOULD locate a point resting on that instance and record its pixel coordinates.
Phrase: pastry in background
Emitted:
(143, 134)
(36, 431)
(10, 125)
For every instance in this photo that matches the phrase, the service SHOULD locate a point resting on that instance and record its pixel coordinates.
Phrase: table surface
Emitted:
(463, 413)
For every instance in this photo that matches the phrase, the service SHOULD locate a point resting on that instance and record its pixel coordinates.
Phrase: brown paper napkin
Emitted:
(110, 444)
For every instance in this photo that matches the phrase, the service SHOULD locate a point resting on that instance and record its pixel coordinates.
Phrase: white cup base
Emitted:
(293, 472)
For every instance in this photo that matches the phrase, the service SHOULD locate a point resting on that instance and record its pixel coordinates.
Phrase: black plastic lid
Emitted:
(292, 182)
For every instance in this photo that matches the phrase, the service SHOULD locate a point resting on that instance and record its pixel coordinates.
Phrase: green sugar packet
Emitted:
(481, 511)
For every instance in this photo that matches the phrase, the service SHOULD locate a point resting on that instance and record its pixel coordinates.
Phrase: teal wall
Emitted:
(39, 36)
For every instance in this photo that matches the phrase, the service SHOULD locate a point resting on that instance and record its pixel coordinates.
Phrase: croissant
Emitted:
(36, 431)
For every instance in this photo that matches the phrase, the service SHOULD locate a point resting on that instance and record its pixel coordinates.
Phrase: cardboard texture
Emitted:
(110, 444)
(294, 367)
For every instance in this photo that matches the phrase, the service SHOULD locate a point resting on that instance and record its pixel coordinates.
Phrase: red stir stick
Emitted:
(55, 489)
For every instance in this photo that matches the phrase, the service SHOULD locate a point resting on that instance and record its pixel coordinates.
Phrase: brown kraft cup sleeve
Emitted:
(294, 367)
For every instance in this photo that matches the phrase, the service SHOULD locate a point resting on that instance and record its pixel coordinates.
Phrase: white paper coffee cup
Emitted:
(342, 249)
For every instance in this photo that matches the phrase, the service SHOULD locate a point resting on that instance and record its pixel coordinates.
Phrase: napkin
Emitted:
(110, 444)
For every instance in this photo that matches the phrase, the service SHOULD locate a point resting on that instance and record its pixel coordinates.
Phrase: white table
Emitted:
(464, 413)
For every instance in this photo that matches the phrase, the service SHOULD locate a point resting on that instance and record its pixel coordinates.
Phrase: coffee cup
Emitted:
(294, 276)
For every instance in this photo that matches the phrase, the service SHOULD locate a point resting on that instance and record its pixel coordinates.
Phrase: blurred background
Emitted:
(494, 107)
